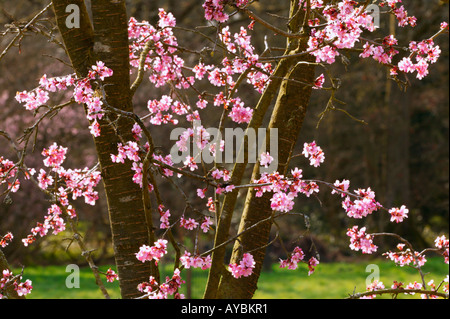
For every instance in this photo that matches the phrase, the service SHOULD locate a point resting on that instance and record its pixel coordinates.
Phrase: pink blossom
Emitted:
(398, 214)
(341, 187)
(111, 275)
(189, 261)
(156, 252)
(4, 241)
(359, 240)
(44, 180)
(314, 153)
(265, 159)
(164, 217)
(188, 224)
(94, 128)
(201, 192)
(244, 268)
(312, 263)
(55, 155)
(241, 114)
(206, 224)
(214, 10)
(282, 202)
(319, 81)
(291, 263)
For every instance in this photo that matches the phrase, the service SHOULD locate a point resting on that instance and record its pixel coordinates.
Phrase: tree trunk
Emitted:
(107, 40)
(288, 115)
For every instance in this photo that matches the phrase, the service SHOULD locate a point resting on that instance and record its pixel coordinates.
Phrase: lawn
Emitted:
(331, 280)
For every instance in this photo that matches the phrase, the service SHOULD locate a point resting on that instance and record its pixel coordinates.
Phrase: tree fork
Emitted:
(106, 39)
(288, 115)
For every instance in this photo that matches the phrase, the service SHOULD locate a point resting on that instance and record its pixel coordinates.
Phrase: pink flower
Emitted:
(94, 128)
(314, 153)
(312, 263)
(55, 155)
(293, 260)
(44, 180)
(318, 83)
(398, 214)
(265, 159)
(207, 222)
(341, 187)
(111, 275)
(241, 114)
(374, 286)
(201, 192)
(188, 224)
(5, 239)
(156, 252)
(282, 202)
(24, 288)
(406, 65)
(359, 240)
(164, 219)
(245, 267)
(195, 262)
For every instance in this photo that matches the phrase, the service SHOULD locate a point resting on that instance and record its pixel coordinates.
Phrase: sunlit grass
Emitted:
(330, 281)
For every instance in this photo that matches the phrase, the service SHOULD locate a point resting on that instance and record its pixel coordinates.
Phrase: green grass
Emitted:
(330, 281)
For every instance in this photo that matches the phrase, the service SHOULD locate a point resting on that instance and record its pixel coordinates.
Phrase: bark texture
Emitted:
(106, 39)
(288, 115)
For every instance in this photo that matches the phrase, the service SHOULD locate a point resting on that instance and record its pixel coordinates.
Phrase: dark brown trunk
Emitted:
(107, 40)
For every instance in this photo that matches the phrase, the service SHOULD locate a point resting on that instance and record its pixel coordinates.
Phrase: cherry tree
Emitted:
(132, 165)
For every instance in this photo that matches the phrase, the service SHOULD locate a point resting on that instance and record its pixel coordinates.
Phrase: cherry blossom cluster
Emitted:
(314, 153)
(156, 252)
(360, 240)
(406, 257)
(297, 256)
(383, 53)
(292, 262)
(373, 286)
(245, 59)
(8, 171)
(82, 93)
(8, 279)
(244, 268)
(285, 190)
(407, 289)
(111, 275)
(425, 53)
(364, 205)
(400, 13)
(170, 287)
(215, 9)
(79, 183)
(344, 23)
(398, 214)
(53, 220)
(6, 239)
(163, 64)
(441, 242)
(189, 261)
